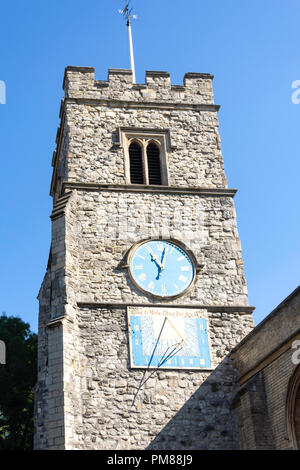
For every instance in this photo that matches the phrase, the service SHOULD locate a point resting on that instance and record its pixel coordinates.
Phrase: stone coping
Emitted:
(111, 102)
(209, 192)
(209, 308)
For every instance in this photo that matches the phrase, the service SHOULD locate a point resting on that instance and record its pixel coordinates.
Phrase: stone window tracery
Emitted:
(145, 161)
(145, 157)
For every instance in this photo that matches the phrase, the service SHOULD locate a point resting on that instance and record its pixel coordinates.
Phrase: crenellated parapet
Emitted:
(79, 82)
(96, 116)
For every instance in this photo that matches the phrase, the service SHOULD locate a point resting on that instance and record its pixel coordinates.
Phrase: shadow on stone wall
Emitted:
(207, 420)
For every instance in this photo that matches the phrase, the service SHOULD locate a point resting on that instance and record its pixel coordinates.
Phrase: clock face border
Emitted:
(180, 245)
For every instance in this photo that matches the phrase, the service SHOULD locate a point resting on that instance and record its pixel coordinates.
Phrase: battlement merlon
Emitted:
(79, 82)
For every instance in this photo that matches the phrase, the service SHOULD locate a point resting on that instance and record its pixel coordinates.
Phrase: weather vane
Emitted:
(127, 13)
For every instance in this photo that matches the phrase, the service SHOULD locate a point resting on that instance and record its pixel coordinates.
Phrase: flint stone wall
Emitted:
(85, 383)
(174, 410)
(106, 225)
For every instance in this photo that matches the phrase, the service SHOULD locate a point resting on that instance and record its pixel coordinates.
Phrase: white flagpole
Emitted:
(131, 51)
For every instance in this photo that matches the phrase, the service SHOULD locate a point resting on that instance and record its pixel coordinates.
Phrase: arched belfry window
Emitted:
(153, 161)
(145, 164)
(136, 163)
(145, 154)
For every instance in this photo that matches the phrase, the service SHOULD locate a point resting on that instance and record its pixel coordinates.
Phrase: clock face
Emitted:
(161, 268)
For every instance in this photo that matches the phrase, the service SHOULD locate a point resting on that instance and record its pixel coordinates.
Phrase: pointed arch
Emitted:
(145, 156)
(136, 163)
(153, 161)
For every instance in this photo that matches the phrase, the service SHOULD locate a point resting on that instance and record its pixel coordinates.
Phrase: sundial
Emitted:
(160, 339)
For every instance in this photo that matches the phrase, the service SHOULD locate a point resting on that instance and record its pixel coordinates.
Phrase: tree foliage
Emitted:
(17, 379)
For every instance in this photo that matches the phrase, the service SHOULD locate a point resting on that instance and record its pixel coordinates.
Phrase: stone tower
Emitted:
(144, 294)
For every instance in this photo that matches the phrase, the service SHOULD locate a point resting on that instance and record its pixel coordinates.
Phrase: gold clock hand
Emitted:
(164, 257)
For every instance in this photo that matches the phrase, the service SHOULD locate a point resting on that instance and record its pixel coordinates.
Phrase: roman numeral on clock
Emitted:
(185, 268)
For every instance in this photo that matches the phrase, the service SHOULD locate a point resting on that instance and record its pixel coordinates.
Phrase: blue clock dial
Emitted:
(161, 268)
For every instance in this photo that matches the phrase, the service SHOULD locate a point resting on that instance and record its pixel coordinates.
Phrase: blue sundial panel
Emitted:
(154, 338)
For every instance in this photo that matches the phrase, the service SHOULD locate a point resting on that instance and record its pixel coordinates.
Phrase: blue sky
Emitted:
(252, 49)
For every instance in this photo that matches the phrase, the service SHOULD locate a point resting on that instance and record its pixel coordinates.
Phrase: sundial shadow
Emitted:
(206, 421)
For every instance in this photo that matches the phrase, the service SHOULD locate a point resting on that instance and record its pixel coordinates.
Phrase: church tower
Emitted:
(144, 295)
